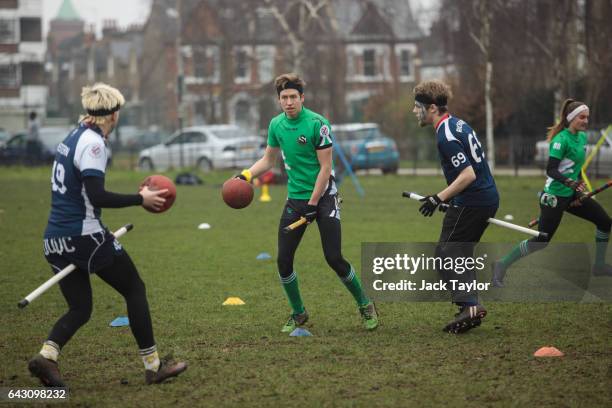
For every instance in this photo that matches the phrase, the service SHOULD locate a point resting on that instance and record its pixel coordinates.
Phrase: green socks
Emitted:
(601, 245)
(352, 283)
(290, 284)
(519, 251)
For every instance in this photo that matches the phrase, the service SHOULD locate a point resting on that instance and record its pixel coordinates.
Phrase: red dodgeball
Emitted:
(237, 193)
(159, 182)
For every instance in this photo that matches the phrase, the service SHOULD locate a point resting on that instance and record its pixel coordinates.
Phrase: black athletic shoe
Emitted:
(167, 369)
(47, 371)
(468, 318)
(499, 271)
(602, 270)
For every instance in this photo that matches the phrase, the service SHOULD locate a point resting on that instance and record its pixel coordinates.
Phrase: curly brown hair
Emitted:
(437, 92)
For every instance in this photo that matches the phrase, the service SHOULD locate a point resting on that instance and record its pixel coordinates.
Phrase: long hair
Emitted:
(568, 106)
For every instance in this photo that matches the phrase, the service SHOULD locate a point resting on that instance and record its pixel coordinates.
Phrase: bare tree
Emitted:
(482, 13)
(297, 18)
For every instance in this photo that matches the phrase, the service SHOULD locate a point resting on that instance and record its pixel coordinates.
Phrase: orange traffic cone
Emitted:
(548, 352)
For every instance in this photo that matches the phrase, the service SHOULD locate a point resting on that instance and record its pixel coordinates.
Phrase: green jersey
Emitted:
(570, 149)
(299, 139)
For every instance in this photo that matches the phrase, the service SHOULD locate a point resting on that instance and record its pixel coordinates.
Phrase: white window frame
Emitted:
(210, 51)
(16, 81)
(253, 114)
(248, 51)
(411, 49)
(266, 58)
(15, 38)
(382, 52)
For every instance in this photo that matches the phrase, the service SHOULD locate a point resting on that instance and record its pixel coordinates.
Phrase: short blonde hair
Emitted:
(100, 101)
(434, 93)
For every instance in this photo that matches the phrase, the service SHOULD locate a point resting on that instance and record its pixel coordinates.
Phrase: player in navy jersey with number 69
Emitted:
(471, 192)
(75, 235)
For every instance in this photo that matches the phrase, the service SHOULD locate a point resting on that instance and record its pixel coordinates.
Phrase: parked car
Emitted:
(602, 162)
(4, 135)
(207, 147)
(14, 150)
(134, 139)
(366, 147)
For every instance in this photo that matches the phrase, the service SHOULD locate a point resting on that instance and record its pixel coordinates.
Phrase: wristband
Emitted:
(247, 175)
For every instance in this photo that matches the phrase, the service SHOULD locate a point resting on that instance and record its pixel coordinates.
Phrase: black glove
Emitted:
(310, 213)
(443, 207)
(574, 185)
(430, 203)
(579, 197)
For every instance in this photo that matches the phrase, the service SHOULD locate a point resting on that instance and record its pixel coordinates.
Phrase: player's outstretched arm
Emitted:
(99, 197)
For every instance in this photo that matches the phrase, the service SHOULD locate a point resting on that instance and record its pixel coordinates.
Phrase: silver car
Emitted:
(601, 164)
(206, 147)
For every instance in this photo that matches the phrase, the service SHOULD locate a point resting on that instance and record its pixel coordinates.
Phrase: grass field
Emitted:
(237, 355)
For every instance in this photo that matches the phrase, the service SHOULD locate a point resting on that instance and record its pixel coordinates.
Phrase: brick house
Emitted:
(230, 52)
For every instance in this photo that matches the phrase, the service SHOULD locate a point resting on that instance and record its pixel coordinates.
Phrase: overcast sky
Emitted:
(125, 12)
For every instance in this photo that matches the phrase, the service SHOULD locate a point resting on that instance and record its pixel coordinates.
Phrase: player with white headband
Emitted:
(567, 154)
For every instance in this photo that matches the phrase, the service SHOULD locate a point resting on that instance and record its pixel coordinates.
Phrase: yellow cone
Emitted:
(265, 194)
(233, 301)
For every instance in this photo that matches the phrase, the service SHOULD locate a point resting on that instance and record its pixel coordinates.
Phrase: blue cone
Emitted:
(299, 332)
(263, 256)
(120, 321)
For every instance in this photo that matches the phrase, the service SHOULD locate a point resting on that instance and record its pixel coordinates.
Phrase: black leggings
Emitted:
(551, 212)
(328, 221)
(123, 277)
(462, 229)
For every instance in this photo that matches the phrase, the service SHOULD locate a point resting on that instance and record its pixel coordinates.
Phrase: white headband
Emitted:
(570, 116)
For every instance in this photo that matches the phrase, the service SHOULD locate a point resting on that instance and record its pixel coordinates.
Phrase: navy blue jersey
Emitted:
(83, 153)
(459, 148)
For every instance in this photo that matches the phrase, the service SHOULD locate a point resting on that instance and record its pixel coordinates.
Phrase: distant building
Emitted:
(77, 58)
(66, 25)
(22, 51)
(66, 32)
(230, 52)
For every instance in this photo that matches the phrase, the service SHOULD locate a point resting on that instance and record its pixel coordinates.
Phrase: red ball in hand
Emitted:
(237, 193)
(159, 182)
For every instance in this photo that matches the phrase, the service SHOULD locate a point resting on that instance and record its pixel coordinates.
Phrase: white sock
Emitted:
(150, 358)
(50, 350)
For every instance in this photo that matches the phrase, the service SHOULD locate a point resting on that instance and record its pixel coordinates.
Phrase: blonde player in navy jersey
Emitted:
(471, 192)
(75, 235)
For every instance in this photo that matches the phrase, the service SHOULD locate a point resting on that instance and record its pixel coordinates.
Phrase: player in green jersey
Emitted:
(304, 140)
(563, 186)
